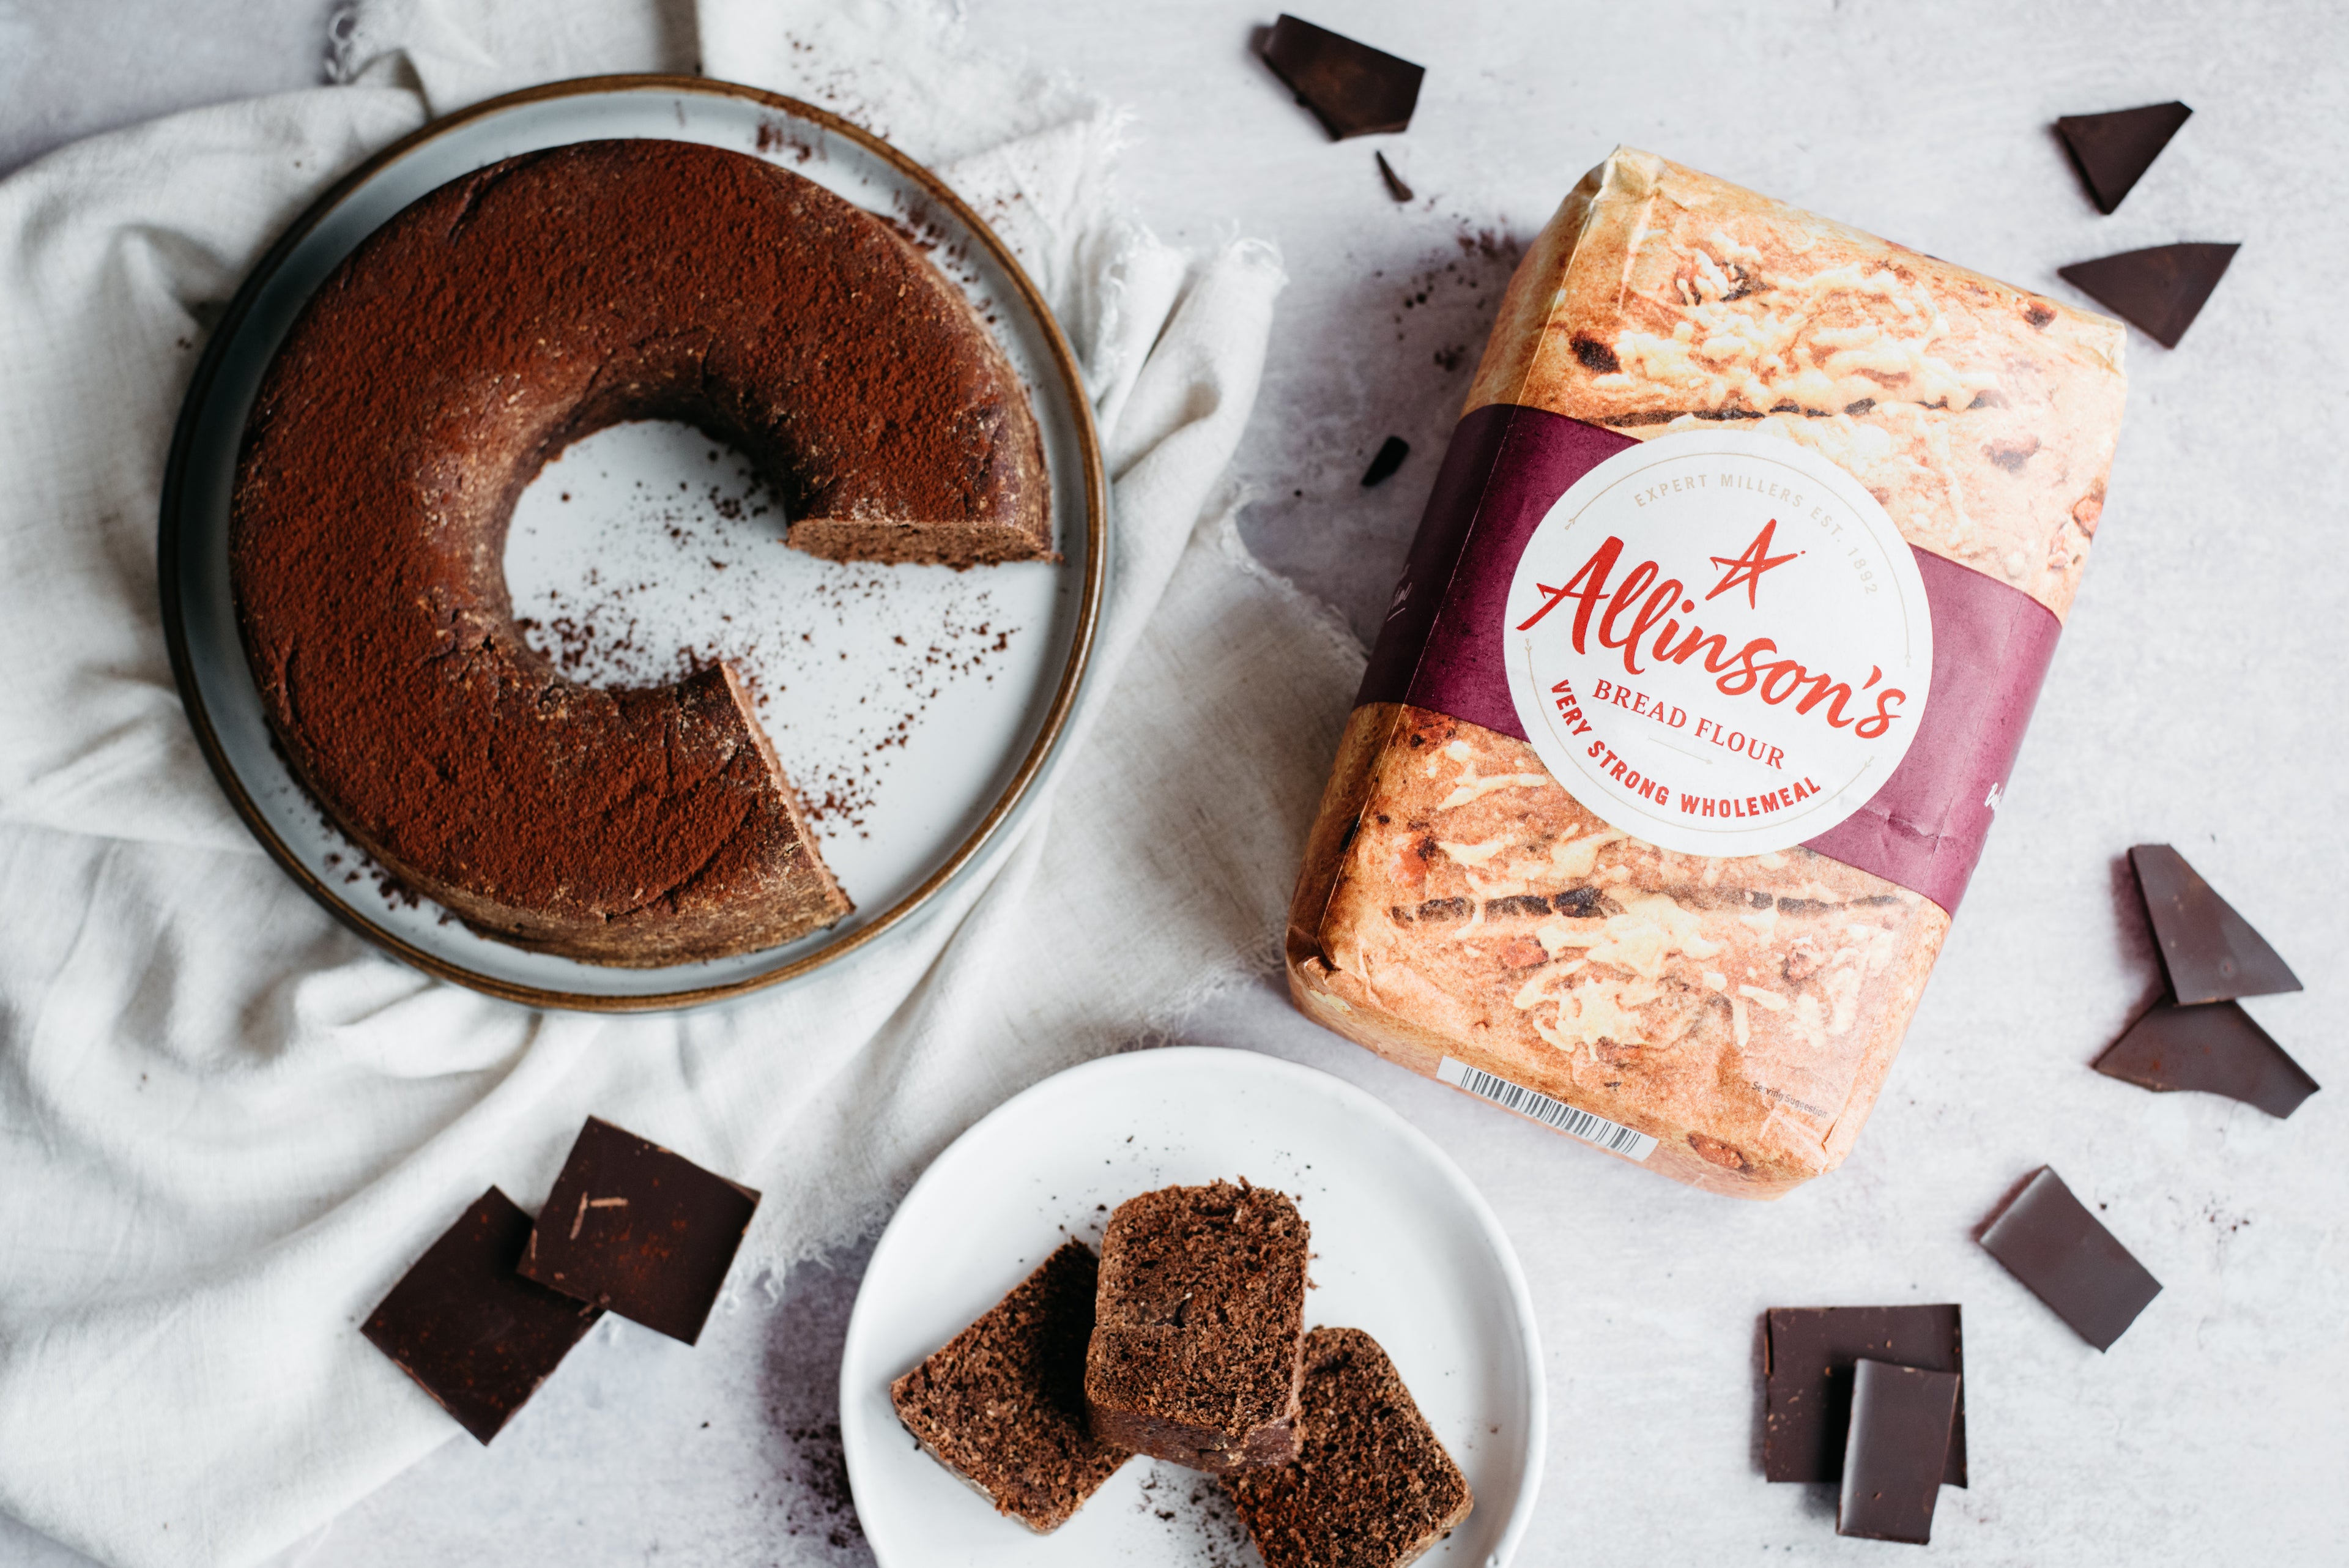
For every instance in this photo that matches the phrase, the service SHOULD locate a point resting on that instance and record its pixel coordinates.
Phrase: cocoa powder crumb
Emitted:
(596, 633)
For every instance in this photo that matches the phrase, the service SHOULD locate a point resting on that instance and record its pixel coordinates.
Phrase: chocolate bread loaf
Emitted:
(1002, 1404)
(1371, 1486)
(1199, 1325)
(468, 342)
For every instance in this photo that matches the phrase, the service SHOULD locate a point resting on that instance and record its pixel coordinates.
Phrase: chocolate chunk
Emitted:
(474, 1334)
(1199, 1326)
(1389, 458)
(2209, 952)
(632, 1227)
(1371, 1486)
(1899, 1439)
(1352, 89)
(1395, 187)
(2050, 1243)
(1811, 1352)
(1002, 1404)
(2215, 1048)
(2113, 151)
(2159, 291)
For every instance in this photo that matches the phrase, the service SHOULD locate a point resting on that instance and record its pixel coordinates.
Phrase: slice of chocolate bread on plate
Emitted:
(1371, 1486)
(1199, 1326)
(1002, 1404)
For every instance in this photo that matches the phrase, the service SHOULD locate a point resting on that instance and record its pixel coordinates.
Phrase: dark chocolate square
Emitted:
(474, 1334)
(1352, 89)
(1898, 1447)
(637, 1228)
(1811, 1352)
(2215, 1048)
(2049, 1241)
(2208, 952)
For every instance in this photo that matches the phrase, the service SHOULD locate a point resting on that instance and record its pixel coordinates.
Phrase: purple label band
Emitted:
(1442, 647)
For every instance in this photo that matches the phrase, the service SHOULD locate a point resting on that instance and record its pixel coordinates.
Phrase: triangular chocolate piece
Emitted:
(2209, 952)
(1352, 89)
(2113, 151)
(2215, 1048)
(2158, 290)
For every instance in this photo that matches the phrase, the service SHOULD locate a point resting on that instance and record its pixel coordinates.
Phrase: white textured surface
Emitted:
(2198, 698)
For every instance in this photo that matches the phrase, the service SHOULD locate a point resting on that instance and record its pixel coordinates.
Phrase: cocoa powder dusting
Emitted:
(536, 301)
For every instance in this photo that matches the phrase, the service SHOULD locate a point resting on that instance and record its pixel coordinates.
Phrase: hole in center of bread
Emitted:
(630, 556)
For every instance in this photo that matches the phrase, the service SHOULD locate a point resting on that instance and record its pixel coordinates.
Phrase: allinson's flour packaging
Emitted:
(1707, 668)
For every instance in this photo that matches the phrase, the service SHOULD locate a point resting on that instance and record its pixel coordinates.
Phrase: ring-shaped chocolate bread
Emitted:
(439, 368)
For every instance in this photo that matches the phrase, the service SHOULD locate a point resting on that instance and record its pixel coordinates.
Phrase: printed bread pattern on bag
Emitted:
(1982, 416)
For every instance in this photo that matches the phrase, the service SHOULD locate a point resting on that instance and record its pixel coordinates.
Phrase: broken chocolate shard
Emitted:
(2049, 1241)
(2112, 151)
(1352, 89)
(1810, 1353)
(474, 1334)
(1901, 1425)
(1002, 1404)
(2214, 1048)
(632, 1227)
(1389, 458)
(1395, 187)
(2209, 952)
(2159, 291)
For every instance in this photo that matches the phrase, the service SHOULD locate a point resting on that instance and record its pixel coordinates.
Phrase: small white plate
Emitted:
(1404, 1247)
(915, 708)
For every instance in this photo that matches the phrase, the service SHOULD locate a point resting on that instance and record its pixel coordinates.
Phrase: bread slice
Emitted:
(1199, 1326)
(1371, 1486)
(1001, 1404)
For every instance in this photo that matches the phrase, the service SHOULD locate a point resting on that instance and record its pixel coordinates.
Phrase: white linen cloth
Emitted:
(226, 1126)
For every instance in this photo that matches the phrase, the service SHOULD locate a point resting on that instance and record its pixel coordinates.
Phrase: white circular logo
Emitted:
(1718, 642)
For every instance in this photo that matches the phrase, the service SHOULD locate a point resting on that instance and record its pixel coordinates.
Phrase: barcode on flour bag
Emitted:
(1589, 1128)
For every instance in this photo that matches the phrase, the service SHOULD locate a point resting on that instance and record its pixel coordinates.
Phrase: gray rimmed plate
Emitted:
(914, 707)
